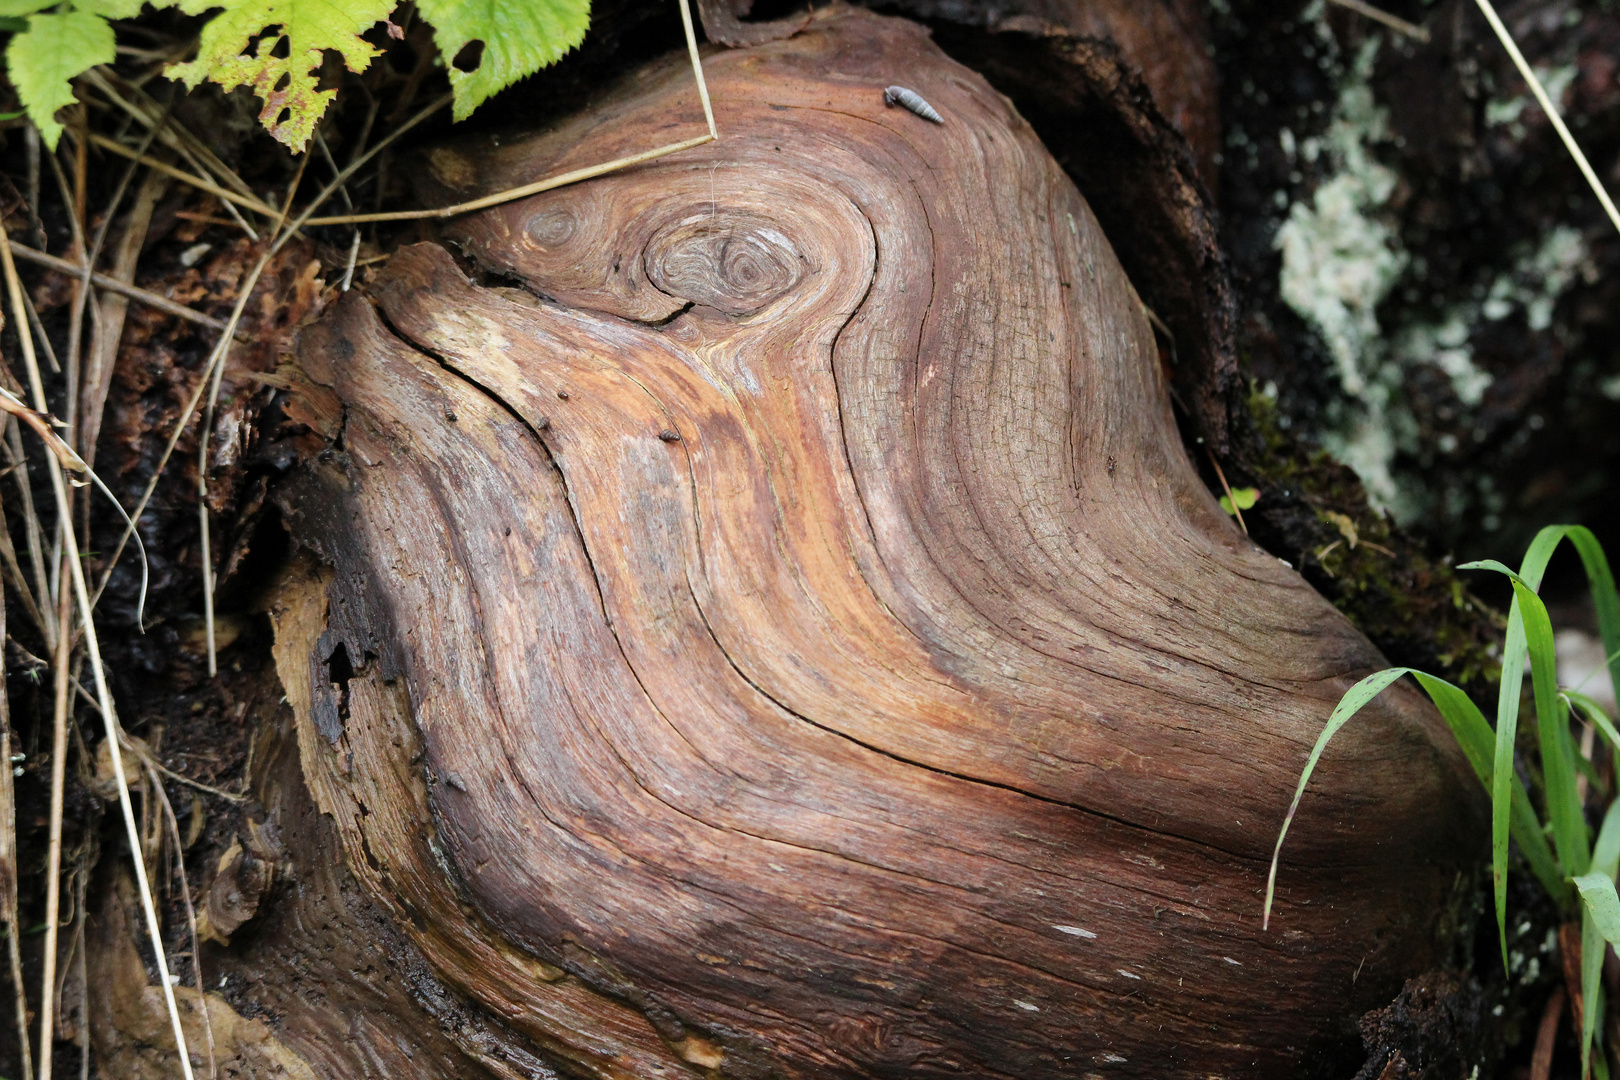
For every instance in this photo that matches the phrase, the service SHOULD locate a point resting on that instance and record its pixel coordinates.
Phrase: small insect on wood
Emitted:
(910, 99)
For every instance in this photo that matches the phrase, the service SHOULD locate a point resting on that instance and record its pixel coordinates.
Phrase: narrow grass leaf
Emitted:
(1606, 853)
(1510, 803)
(1552, 724)
(1598, 896)
(1474, 737)
(1529, 633)
(1596, 717)
(1592, 948)
(1352, 702)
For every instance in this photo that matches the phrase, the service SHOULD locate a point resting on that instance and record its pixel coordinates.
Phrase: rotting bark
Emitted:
(772, 628)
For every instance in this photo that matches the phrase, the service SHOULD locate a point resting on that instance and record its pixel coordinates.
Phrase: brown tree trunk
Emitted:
(764, 623)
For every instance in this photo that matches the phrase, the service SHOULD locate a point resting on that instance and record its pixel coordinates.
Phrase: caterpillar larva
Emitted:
(910, 99)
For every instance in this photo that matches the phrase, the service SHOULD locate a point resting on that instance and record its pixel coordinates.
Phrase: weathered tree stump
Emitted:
(772, 628)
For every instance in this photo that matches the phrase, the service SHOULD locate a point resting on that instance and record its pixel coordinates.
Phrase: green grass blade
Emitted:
(1511, 813)
(1592, 947)
(1606, 853)
(1353, 701)
(1604, 598)
(1557, 748)
(1601, 902)
(1529, 632)
(1507, 733)
(1476, 740)
(1596, 717)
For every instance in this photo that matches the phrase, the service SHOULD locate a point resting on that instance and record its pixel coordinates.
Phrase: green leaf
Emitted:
(519, 38)
(286, 85)
(1596, 717)
(42, 60)
(1592, 949)
(115, 9)
(14, 8)
(1474, 737)
(1597, 893)
(1243, 497)
(1529, 616)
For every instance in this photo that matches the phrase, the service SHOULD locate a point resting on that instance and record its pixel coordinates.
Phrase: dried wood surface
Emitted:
(773, 626)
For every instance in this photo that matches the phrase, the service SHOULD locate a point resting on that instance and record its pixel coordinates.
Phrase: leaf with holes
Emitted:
(490, 44)
(281, 67)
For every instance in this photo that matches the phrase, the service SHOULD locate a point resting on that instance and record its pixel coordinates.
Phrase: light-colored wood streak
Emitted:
(795, 613)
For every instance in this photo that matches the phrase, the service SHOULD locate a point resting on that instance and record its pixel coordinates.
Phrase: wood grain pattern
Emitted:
(775, 629)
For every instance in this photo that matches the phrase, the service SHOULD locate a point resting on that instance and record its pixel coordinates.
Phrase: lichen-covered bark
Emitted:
(771, 628)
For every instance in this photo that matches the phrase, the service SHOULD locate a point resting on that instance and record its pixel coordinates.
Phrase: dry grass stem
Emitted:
(102, 281)
(512, 194)
(697, 68)
(162, 798)
(142, 107)
(103, 692)
(149, 761)
(182, 175)
(1236, 511)
(203, 434)
(8, 874)
(53, 850)
(1551, 110)
(1411, 30)
(32, 530)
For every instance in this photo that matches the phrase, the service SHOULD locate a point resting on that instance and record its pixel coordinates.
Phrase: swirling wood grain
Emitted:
(775, 629)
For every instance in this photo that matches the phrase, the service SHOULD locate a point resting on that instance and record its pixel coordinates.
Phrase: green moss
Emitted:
(1313, 512)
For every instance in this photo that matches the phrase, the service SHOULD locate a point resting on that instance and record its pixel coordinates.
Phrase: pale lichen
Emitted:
(1343, 257)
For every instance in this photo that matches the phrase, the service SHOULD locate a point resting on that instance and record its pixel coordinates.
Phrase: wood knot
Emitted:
(730, 261)
(552, 227)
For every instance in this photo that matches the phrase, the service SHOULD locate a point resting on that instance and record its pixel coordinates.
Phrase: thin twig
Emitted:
(69, 460)
(93, 645)
(81, 296)
(14, 574)
(1379, 15)
(1551, 110)
(112, 284)
(1547, 1036)
(150, 760)
(306, 218)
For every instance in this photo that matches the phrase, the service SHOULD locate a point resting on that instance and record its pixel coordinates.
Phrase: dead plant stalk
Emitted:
(81, 594)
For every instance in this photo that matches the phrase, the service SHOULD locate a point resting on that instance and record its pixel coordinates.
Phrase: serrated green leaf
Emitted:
(43, 59)
(519, 37)
(286, 85)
